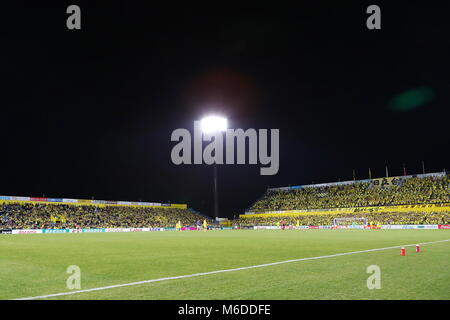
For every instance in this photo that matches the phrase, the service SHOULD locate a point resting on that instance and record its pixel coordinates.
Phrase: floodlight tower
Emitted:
(211, 125)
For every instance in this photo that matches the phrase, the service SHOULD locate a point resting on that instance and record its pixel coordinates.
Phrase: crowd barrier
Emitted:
(93, 230)
(405, 226)
(53, 231)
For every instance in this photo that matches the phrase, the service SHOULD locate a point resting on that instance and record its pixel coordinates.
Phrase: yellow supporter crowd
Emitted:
(410, 191)
(43, 216)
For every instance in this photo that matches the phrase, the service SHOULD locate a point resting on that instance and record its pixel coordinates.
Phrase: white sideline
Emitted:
(219, 271)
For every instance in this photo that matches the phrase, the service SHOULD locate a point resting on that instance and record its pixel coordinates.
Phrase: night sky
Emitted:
(89, 113)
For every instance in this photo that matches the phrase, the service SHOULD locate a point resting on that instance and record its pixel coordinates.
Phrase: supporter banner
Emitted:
(156, 229)
(116, 230)
(126, 229)
(178, 206)
(47, 231)
(56, 230)
(349, 227)
(321, 185)
(189, 228)
(20, 198)
(435, 174)
(70, 200)
(308, 227)
(38, 199)
(93, 230)
(85, 202)
(386, 182)
(391, 227)
(92, 202)
(410, 226)
(428, 226)
(34, 231)
(27, 231)
(265, 227)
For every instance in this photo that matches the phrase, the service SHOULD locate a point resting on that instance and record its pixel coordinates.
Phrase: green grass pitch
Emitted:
(35, 265)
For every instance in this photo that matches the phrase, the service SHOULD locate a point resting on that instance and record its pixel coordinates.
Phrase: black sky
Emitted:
(89, 113)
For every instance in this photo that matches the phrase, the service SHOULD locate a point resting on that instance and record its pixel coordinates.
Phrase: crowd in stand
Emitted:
(409, 191)
(371, 218)
(46, 216)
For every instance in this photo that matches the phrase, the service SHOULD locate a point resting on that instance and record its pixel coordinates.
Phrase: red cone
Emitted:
(403, 252)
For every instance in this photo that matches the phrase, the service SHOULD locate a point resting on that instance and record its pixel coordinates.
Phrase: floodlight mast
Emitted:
(214, 124)
(216, 194)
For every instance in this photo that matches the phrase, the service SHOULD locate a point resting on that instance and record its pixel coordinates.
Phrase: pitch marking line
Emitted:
(219, 271)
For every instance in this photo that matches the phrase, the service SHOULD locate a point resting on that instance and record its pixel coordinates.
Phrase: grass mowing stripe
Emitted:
(221, 271)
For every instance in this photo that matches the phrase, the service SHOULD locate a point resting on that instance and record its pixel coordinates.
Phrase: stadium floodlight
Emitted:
(212, 124)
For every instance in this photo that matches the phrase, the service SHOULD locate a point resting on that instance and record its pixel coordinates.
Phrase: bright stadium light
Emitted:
(213, 124)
